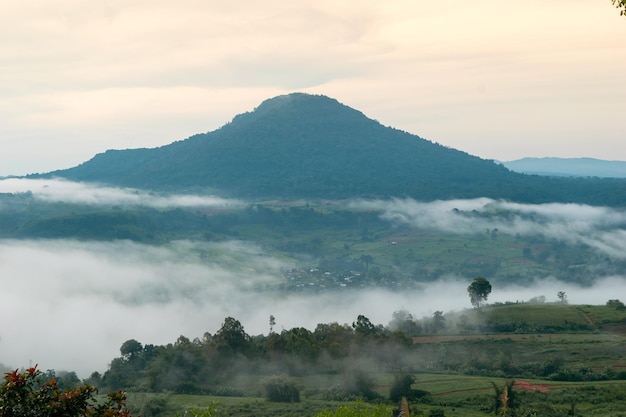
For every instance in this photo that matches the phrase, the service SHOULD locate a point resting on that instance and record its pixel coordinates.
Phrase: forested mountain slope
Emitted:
(305, 146)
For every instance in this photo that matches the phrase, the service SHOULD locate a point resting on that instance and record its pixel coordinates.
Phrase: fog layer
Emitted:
(601, 228)
(69, 305)
(58, 190)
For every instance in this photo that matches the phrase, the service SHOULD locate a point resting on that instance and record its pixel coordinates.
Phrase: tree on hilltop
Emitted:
(478, 291)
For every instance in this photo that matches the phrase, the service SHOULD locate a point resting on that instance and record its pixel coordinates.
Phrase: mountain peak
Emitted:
(296, 107)
(310, 146)
(291, 99)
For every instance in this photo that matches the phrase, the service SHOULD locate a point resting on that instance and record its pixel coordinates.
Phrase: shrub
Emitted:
(28, 394)
(401, 387)
(359, 409)
(279, 389)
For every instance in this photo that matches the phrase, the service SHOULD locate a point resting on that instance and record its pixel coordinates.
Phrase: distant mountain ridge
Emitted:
(309, 146)
(569, 167)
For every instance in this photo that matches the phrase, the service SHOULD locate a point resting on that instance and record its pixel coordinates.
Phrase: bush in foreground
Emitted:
(28, 394)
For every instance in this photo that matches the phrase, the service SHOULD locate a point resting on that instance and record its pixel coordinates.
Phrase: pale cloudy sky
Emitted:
(498, 79)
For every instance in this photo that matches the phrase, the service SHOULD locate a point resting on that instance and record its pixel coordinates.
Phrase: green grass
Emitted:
(544, 314)
(604, 314)
(457, 395)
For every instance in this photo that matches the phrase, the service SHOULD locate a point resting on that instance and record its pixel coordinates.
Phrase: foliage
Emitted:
(303, 146)
(617, 304)
(281, 389)
(27, 394)
(209, 411)
(359, 409)
(402, 388)
(231, 338)
(504, 399)
(130, 348)
(620, 4)
(337, 238)
(478, 291)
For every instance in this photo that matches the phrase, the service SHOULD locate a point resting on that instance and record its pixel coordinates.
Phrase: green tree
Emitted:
(130, 348)
(231, 337)
(29, 394)
(364, 327)
(478, 291)
(620, 4)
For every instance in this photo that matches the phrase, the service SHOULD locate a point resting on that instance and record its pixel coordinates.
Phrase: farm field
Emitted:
(560, 373)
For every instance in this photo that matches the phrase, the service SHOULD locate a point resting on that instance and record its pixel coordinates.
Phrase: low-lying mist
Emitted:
(600, 228)
(69, 306)
(59, 190)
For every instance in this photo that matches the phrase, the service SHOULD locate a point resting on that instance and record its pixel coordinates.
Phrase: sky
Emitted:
(499, 80)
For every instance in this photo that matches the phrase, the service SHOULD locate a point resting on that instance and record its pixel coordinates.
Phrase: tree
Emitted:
(272, 323)
(620, 4)
(401, 387)
(562, 297)
(130, 348)
(439, 321)
(231, 337)
(478, 291)
(364, 327)
(617, 304)
(404, 322)
(29, 394)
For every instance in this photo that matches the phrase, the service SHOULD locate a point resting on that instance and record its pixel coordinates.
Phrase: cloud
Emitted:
(57, 190)
(601, 228)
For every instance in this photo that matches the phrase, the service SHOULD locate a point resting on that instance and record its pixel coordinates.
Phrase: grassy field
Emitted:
(456, 395)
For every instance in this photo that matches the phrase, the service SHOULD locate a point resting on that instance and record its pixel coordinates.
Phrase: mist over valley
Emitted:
(74, 299)
(303, 241)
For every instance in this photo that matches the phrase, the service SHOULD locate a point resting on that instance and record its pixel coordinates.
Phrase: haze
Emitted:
(495, 79)
(69, 305)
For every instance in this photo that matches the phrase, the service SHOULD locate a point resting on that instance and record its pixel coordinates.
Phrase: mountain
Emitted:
(569, 167)
(309, 146)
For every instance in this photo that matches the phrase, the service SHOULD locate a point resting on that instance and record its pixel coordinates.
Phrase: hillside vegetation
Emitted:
(553, 357)
(303, 146)
(330, 245)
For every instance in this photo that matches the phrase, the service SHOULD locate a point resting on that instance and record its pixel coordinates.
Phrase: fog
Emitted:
(59, 190)
(69, 305)
(601, 228)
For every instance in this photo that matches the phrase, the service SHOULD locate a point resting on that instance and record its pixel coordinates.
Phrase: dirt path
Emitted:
(586, 317)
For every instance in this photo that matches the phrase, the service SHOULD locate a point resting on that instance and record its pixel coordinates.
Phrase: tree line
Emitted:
(202, 365)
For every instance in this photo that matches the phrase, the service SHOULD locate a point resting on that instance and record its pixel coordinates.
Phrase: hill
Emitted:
(305, 146)
(569, 167)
